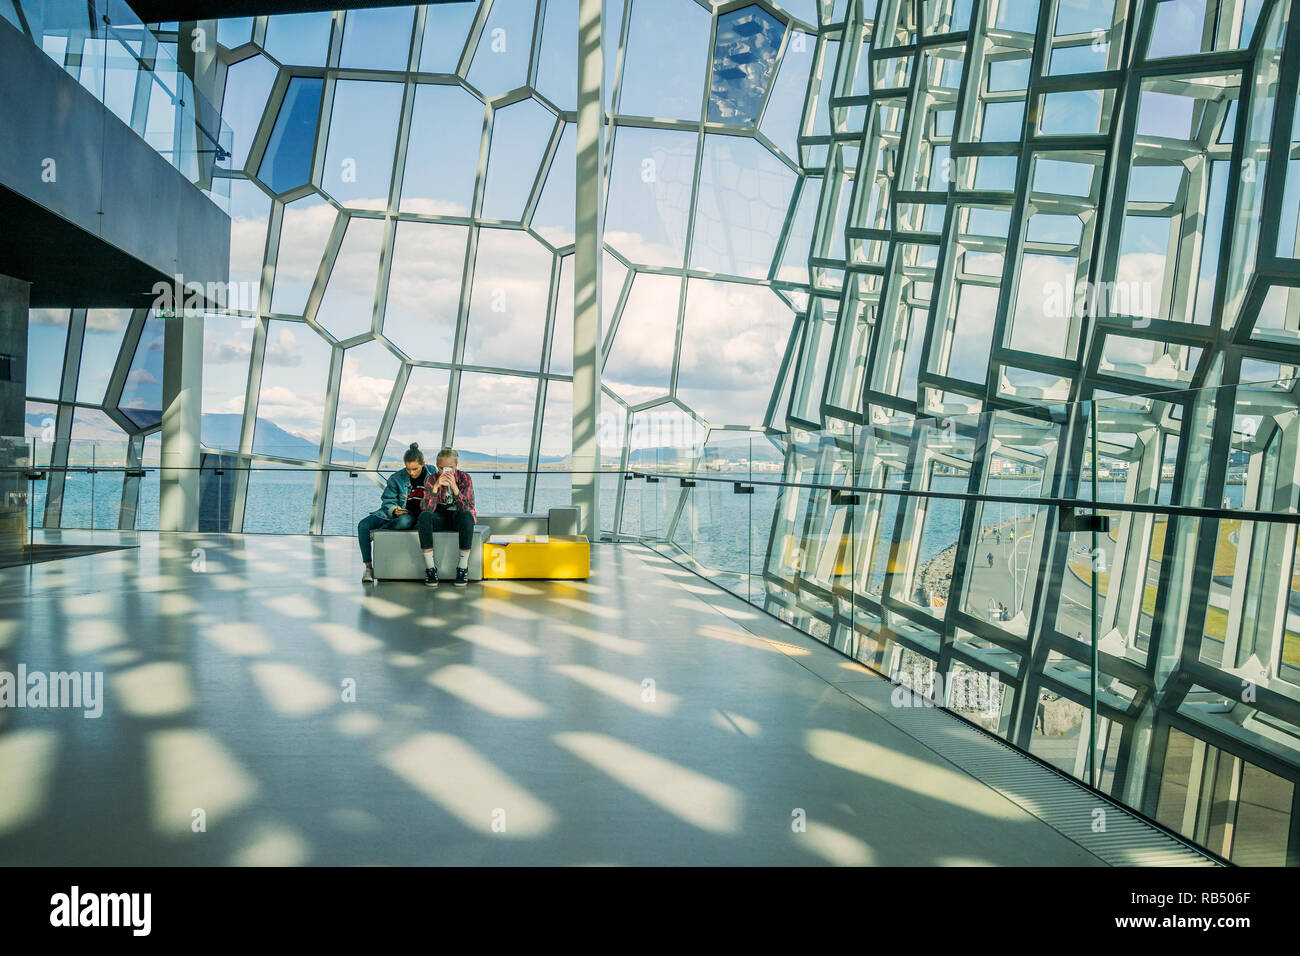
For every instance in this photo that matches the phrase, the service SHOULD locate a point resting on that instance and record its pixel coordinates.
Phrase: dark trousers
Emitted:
(460, 521)
(370, 524)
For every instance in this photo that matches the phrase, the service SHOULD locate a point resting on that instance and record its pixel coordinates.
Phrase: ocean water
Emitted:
(721, 529)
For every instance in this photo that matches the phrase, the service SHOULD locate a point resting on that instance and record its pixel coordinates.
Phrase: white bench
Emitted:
(397, 554)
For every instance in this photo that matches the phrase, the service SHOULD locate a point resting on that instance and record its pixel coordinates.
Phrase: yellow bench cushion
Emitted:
(551, 556)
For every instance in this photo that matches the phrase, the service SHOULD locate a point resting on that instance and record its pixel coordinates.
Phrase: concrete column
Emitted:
(178, 509)
(589, 229)
(14, 299)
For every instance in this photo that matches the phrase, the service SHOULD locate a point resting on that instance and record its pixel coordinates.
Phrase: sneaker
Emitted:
(462, 577)
(368, 576)
(431, 577)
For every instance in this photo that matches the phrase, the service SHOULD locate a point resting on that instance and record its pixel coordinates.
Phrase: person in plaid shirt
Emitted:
(452, 509)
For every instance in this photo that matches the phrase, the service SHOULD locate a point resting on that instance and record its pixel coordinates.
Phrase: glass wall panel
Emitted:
(361, 142)
(667, 60)
(733, 340)
(744, 195)
(650, 195)
(304, 234)
(424, 289)
(420, 414)
(286, 164)
(521, 133)
(446, 27)
(47, 341)
(105, 329)
(142, 391)
(377, 39)
(640, 364)
(295, 372)
(507, 309)
(501, 60)
(364, 390)
(227, 347)
(299, 39)
(348, 304)
(557, 68)
(446, 136)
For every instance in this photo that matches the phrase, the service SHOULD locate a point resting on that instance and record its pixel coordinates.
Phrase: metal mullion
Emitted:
(325, 270)
(535, 47)
(534, 443)
(252, 398)
(404, 123)
(946, 286)
(616, 317)
(544, 171)
(625, 452)
(1282, 136)
(383, 433)
(472, 38)
(462, 321)
(325, 455)
(125, 356)
(1017, 219)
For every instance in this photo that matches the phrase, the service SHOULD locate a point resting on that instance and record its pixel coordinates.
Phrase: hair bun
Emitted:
(415, 446)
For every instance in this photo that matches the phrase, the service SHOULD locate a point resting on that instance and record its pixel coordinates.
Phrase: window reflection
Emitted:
(744, 55)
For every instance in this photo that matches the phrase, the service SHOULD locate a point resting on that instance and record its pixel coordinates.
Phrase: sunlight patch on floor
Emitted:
(240, 638)
(93, 637)
(158, 689)
(27, 768)
(189, 770)
(495, 639)
(834, 845)
(467, 785)
(487, 692)
(272, 844)
(929, 780)
(691, 797)
(346, 640)
(610, 642)
(632, 693)
(292, 691)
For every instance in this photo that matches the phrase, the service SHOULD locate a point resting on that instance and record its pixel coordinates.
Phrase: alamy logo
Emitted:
(102, 909)
(53, 689)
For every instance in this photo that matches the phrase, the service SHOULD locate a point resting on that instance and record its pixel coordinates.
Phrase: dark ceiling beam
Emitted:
(163, 11)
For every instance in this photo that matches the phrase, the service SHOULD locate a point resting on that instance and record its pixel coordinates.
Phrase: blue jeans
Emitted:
(370, 523)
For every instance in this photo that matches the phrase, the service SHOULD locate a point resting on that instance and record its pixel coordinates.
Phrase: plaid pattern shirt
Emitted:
(464, 500)
(397, 492)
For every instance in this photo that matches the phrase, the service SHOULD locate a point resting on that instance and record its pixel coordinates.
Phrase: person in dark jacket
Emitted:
(405, 495)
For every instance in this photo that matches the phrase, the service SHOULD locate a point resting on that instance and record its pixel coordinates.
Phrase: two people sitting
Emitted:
(428, 499)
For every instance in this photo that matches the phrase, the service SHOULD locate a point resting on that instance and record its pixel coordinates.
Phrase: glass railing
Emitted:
(105, 47)
(1111, 586)
(104, 485)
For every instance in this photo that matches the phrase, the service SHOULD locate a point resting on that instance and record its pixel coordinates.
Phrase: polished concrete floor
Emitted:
(261, 706)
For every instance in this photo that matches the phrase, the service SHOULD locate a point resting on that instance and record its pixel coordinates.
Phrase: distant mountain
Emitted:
(221, 432)
(757, 450)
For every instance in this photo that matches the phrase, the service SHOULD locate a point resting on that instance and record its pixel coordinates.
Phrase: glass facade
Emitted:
(927, 247)
(402, 236)
(1033, 216)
